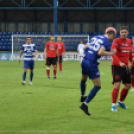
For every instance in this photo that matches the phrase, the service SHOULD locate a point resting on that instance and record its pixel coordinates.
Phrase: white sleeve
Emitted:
(83, 45)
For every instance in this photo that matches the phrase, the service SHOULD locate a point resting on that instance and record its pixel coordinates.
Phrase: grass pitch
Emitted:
(52, 106)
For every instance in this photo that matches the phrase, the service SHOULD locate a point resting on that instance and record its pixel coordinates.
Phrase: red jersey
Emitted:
(132, 55)
(60, 47)
(123, 48)
(51, 49)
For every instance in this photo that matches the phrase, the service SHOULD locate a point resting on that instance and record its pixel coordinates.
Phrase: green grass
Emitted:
(52, 106)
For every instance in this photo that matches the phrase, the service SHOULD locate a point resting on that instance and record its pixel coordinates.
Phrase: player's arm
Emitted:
(45, 51)
(21, 52)
(85, 46)
(78, 49)
(131, 60)
(115, 57)
(102, 52)
(64, 51)
(35, 51)
(57, 53)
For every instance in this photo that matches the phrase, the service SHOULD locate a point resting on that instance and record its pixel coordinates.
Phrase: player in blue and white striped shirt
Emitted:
(30, 51)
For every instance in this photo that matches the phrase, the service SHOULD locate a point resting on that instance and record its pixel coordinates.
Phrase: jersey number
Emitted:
(95, 44)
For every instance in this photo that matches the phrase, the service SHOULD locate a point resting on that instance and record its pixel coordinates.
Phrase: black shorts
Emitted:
(132, 70)
(60, 59)
(121, 74)
(51, 60)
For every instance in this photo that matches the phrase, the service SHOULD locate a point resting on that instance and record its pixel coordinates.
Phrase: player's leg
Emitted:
(60, 64)
(94, 75)
(132, 78)
(81, 59)
(48, 63)
(94, 90)
(83, 87)
(31, 71)
(92, 94)
(54, 60)
(31, 76)
(115, 93)
(127, 85)
(24, 76)
(48, 71)
(116, 81)
(84, 65)
(26, 64)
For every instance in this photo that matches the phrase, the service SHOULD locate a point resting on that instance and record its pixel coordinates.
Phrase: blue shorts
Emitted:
(90, 69)
(29, 64)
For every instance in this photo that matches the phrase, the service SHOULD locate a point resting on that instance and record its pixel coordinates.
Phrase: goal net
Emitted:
(70, 41)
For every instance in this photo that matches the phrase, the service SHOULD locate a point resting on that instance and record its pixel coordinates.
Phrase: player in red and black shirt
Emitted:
(50, 52)
(132, 67)
(61, 51)
(120, 70)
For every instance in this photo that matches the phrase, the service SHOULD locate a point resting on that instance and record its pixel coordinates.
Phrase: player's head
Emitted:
(123, 32)
(111, 33)
(59, 39)
(52, 38)
(28, 40)
(81, 42)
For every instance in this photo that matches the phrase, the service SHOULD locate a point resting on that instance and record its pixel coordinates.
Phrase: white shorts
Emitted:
(81, 54)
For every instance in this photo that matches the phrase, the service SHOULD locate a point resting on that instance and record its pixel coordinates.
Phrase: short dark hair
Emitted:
(123, 28)
(28, 37)
(110, 32)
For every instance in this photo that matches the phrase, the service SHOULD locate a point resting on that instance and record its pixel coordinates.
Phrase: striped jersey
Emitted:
(28, 51)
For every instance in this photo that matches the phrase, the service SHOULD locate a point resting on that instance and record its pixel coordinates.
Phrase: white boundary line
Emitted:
(58, 131)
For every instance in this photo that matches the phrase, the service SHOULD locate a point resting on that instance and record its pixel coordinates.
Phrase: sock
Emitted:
(123, 94)
(54, 73)
(132, 79)
(60, 66)
(31, 76)
(83, 87)
(115, 93)
(92, 93)
(48, 72)
(24, 76)
(113, 104)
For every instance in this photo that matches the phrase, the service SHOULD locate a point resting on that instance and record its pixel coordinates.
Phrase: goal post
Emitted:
(70, 41)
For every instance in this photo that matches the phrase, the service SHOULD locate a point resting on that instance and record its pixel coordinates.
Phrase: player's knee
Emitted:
(117, 85)
(133, 76)
(48, 68)
(54, 67)
(83, 81)
(25, 70)
(128, 86)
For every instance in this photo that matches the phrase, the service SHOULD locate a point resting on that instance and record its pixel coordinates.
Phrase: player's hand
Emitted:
(133, 59)
(63, 56)
(122, 65)
(58, 59)
(131, 65)
(45, 57)
(34, 55)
